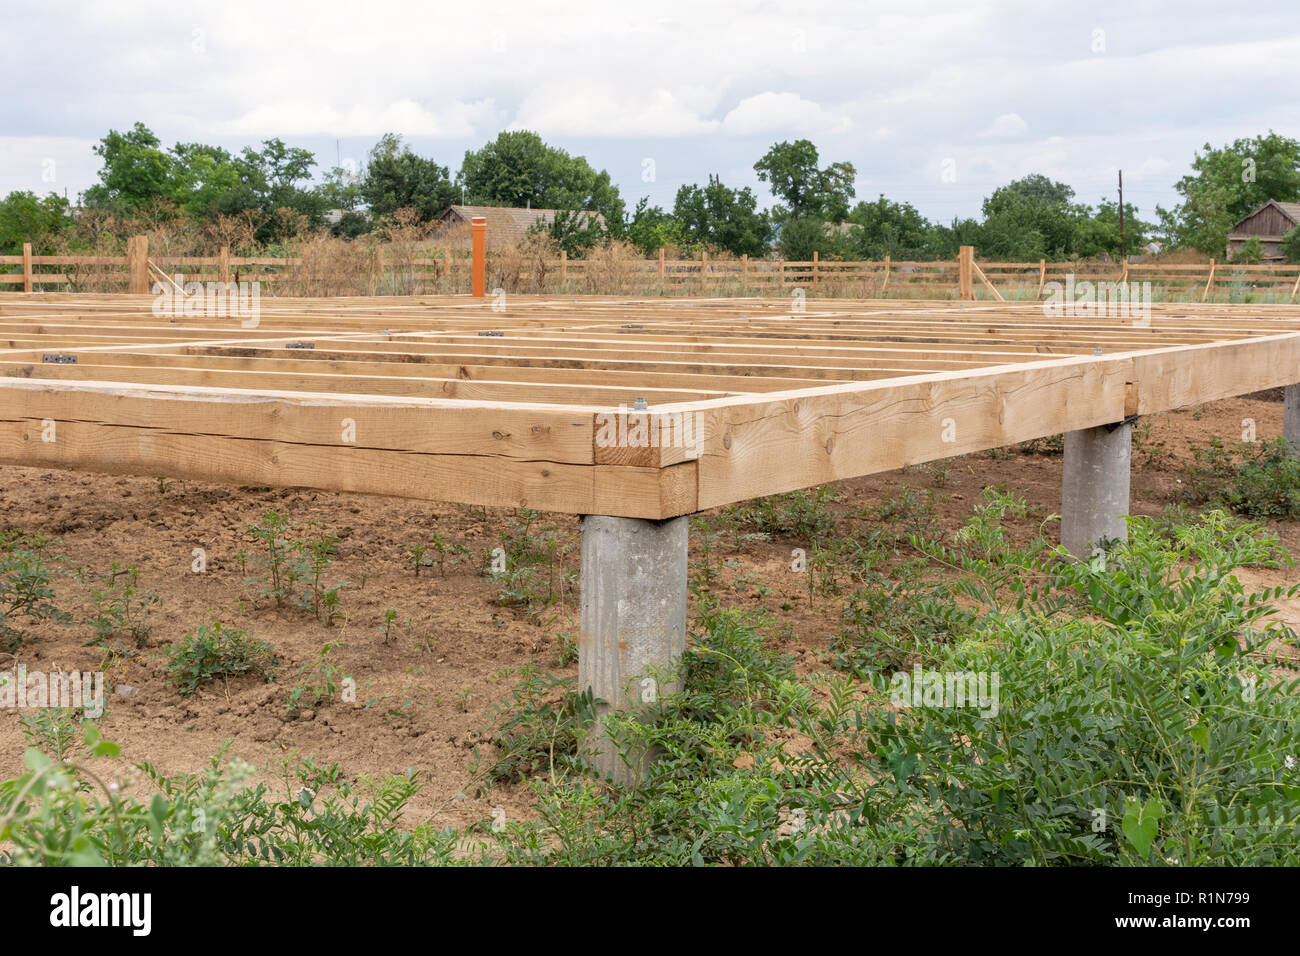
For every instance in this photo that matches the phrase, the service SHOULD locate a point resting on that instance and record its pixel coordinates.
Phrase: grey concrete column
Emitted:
(1291, 415)
(633, 622)
(1095, 488)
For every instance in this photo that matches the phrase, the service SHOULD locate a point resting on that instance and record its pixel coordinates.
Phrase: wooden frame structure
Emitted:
(631, 412)
(506, 404)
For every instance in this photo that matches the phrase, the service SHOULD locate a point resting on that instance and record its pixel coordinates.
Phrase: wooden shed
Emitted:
(1269, 223)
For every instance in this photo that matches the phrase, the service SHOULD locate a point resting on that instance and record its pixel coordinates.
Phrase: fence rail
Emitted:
(137, 272)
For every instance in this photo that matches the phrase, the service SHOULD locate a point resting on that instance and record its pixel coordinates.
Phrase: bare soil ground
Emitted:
(426, 695)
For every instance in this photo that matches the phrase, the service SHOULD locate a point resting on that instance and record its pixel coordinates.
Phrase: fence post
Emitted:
(704, 267)
(27, 267)
(137, 265)
(223, 265)
(814, 267)
(965, 273)
(564, 267)
(744, 274)
(1042, 276)
(661, 263)
(885, 285)
(479, 283)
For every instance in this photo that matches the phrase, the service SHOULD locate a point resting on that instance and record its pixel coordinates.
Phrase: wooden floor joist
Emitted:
(537, 404)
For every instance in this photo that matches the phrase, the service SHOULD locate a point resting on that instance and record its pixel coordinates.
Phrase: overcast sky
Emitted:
(934, 103)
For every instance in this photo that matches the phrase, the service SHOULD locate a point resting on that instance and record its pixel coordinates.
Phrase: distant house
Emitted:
(1269, 223)
(506, 225)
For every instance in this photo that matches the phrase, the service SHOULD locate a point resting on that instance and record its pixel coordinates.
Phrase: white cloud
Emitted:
(778, 113)
(1006, 126)
(1154, 167)
(598, 111)
(44, 164)
(307, 117)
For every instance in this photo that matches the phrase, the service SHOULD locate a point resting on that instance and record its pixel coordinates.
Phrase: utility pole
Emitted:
(1123, 255)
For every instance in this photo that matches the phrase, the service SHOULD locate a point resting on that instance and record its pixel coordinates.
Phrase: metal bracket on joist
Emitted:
(300, 345)
(58, 358)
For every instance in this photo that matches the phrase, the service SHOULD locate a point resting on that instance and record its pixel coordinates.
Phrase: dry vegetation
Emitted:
(407, 256)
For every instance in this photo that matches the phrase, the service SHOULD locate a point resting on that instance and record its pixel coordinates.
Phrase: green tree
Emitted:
(272, 180)
(574, 230)
(1251, 252)
(650, 228)
(342, 190)
(205, 179)
(25, 217)
(395, 178)
(1290, 245)
(805, 189)
(724, 218)
(798, 238)
(1031, 218)
(1227, 183)
(886, 228)
(1099, 231)
(519, 169)
(1034, 188)
(136, 170)
(947, 240)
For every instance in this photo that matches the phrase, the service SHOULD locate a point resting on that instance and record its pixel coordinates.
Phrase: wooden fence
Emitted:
(965, 278)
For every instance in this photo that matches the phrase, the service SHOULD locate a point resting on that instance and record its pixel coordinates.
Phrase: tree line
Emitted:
(268, 195)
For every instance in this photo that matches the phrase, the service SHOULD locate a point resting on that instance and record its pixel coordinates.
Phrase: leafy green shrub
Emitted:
(357, 825)
(1250, 253)
(729, 667)
(722, 789)
(439, 551)
(61, 813)
(121, 609)
(906, 511)
(55, 731)
(291, 570)
(891, 621)
(1261, 479)
(1157, 697)
(540, 727)
(1290, 244)
(27, 568)
(907, 614)
(216, 652)
(531, 564)
(800, 515)
(317, 682)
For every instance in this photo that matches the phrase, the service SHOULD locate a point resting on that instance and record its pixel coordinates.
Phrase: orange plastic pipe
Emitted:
(479, 224)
